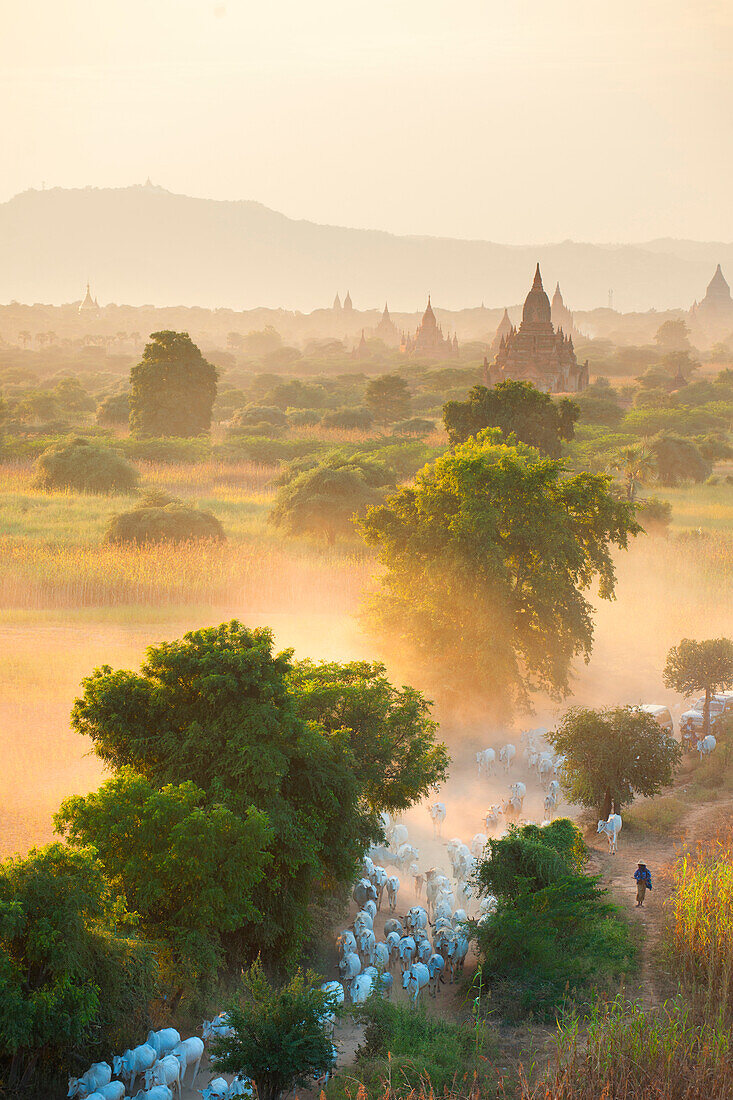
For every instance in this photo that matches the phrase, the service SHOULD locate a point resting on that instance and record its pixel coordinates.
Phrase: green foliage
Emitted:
(188, 866)
(324, 500)
(114, 411)
(163, 518)
(655, 515)
(677, 459)
(408, 1047)
(415, 426)
(259, 414)
(683, 420)
(391, 732)
(279, 1041)
(407, 458)
(268, 451)
(600, 408)
(71, 981)
(303, 418)
(218, 709)
(388, 398)
(172, 389)
(516, 408)
(553, 933)
(348, 419)
(700, 666)
(84, 466)
(635, 463)
(487, 555)
(613, 754)
(168, 450)
(673, 335)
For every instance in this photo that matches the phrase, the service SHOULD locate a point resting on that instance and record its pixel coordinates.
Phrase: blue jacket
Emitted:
(643, 874)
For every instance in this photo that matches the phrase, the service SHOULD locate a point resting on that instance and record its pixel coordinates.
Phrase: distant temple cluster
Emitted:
(428, 339)
(540, 350)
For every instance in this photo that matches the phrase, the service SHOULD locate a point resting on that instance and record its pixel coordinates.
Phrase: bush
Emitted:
(677, 459)
(416, 426)
(86, 467)
(259, 414)
(114, 410)
(171, 450)
(303, 418)
(267, 451)
(349, 419)
(654, 515)
(162, 518)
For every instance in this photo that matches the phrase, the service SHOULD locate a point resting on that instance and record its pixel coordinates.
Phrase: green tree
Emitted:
(390, 729)
(354, 418)
(388, 397)
(677, 459)
(324, 500)
(278, 1038)
(516, 408)
(72, 397)
(673, 335)
(114, 410)
(187, 865)
(700, 666)
(612, 755)
(72, 980)
(172, 389)
(635, 463)
(487, 556)
(84, 466)
(217, 708)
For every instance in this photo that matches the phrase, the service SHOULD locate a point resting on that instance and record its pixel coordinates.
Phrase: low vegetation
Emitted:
(85, 466)
(163, 518)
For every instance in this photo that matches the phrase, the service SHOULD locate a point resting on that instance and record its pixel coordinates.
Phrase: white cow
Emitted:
(346, 942)
(415, 979)
(167, 1071)
(399, 835)
(545, 766)
(157, 1092)
(393, 886)
(506, 755)
(406, 951)
(133, 1062)
(437, 815)
(393, 925)
(416, 918)
(393, 943)
(363, 920)
(367, 943)
(519, 789)
(707, 745)
(349, 966)
(163, 1041)
(216, 1089)
(379, 881)
(479, 842)
(435, 965)
(99, 1073)
(555, 789)
(189, 1052)
(486, 760)
(114, 1090)
(363, 891)
(381, 955)
(491, 820)
(218, 1027)
(361, 988)
(611, 828)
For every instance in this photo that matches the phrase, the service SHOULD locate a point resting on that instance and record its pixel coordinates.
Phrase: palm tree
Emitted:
(25, 338)
(635, 463)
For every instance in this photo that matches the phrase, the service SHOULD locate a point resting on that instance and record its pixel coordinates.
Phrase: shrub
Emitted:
(416, 426)
(267, 451)
(349, 419)
(677, 459)
(162, 518)
(303, 418)
(259, 414)
(654, 515)
(114, 410)
(86, 467)
(171, 449)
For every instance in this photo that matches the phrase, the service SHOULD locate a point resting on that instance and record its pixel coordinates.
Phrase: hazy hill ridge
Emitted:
(146, 245)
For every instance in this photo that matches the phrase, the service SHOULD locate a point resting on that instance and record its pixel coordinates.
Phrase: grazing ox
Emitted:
(707, 745)
(416, 918)
(189, 1052)
(218, 1027)
(486, 760)
(133, 1062)
(99, 1073)
(217, 1089)
(361, 988)
(114, 1090)
(367, 943)
(611, 828)
(364, 891)
(163, 1041)
(406, 950)
(363, 920)
(393, 925)
(550, 805)
(393, 886)
(346, 942)
(437, 815)
(167, 1071)
(461, 950)
(379, 881)
(435, 965)
(423, 950)
(506, 755)
(478, 844)
(492, 816)
(555, 789)
(157, 1092)
(349, 966)
(381, 955)
(545, 766)
(415, 979)
(393, 943)
(399, 835)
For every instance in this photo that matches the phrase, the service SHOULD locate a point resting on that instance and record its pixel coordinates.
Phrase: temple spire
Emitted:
(537, 284)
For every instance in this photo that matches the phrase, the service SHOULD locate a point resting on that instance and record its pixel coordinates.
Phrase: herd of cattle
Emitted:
(161, 1062)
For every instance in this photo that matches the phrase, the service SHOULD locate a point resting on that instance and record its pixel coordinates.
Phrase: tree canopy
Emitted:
(324, 500)
(72, 977)
(613, 754)
(700, 666)
(172, 389)
(677, 459)
(516, 408)
(220, 741)
(388, 398)
(487, 557)
(278, 1041)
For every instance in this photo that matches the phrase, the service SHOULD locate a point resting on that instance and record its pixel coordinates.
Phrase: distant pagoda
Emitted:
(715, 311)
(429, 340)
(505, 327)
(536, 352)
(562, 318)
(386, 330)
(89, 305)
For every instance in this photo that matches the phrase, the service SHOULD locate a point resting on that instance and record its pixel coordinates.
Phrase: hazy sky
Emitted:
(517, 121)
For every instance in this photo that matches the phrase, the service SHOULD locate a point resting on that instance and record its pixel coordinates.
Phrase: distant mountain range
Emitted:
(139, 245)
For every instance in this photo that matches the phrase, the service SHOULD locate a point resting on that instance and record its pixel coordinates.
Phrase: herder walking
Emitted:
(643, 883)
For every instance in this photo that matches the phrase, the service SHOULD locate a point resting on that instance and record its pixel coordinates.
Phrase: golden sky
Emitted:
(516, 121)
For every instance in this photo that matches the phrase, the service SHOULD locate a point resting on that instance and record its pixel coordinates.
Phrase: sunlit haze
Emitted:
(521, 122)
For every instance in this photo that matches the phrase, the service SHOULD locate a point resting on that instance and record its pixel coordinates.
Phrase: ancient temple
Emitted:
(715, 312)
(505, 327)
(386, 330)
(336, 307)
(561, 316)
(361, 351)
(348, 305)
(89, 304)
(429, 340)
(536, 351)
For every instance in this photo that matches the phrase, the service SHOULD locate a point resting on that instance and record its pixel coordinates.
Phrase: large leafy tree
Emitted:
(219, 710)
(73, 982)
(700, 666)
(278, 1040)
(517, 408)
(391, 732)
(612, 755)
(677, 459)
(388, 398)
(172, 389)
(487, 558)
(191, 872)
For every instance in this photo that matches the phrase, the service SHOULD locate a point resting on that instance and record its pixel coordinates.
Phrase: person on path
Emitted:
(643, 883)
